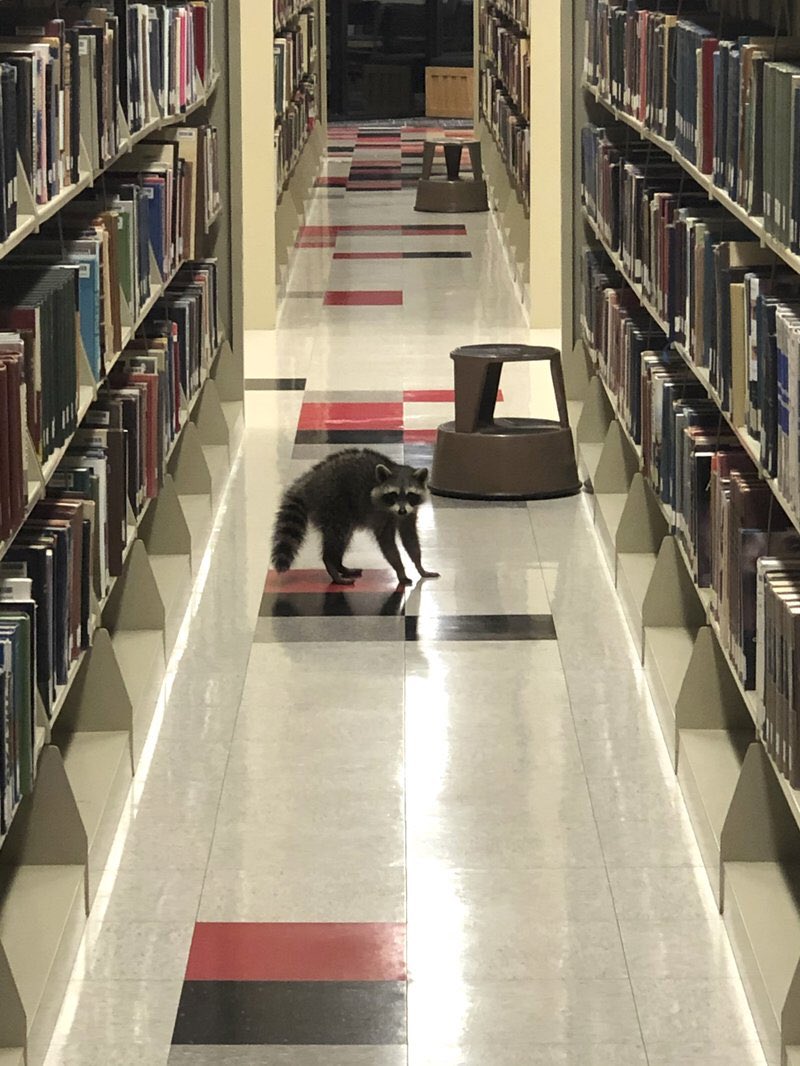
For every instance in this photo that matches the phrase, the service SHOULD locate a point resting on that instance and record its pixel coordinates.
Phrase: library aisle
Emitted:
(373, 827)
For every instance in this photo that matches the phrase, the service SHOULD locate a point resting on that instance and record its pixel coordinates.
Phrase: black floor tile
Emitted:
(349, 436)
(291, 1012)
(279, 384)
(480, 627)
(346, 603)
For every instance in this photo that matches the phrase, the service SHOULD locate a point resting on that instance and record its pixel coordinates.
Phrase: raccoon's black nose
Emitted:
(402, 510)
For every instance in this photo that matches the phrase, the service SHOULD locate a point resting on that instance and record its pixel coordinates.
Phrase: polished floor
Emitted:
(373, 827)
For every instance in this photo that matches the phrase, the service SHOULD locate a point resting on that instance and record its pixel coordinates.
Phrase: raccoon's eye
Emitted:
(389, 498)
(414, 499)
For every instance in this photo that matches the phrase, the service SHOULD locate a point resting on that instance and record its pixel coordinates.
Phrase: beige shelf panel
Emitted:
(41, 918)
(94, 763)
(172, 572)
(607, 517)
(793, 1055)
(636, 569)
(590, 458)
(761, 912)
(667, 651)
(139, 652)
(709, 764)
(12, 1056)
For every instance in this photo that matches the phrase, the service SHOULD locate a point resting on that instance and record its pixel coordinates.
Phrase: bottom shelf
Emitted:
(12, 1056)
(793, 1056)
(41, 921)
(668, 650)
(761, 913)
(99, 771)
(607, 517)
(634, 574)
(709, 765)
(137, 651)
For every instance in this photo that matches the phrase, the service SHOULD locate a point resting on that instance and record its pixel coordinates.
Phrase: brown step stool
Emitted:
(453, 193)
(480, 457)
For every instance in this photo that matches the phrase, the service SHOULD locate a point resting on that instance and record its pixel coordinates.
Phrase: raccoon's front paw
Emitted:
(429, 573)
(342, 580)
(404, 580)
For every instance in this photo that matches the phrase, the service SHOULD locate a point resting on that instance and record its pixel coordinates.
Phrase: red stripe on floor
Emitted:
(360, 298)
(297, 951)
(351, 416)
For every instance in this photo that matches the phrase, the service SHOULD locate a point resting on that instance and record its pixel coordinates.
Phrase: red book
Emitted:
(199, 16)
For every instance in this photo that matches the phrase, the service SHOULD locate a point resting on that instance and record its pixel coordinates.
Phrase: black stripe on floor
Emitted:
(292, 1012)
(437, 255)
(274, 384)
(349, 436)
(480, 627)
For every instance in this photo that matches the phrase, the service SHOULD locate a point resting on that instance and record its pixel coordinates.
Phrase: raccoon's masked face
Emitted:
(401, 492)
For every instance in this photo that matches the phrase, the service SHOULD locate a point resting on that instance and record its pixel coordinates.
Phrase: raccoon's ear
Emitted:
(421, 475)
(382, 473)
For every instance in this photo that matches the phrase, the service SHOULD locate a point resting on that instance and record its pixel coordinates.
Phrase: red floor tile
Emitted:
(351, 416)
(297, 951)
(302, 243)
(411, 436)
(316, 581)
(362, 298)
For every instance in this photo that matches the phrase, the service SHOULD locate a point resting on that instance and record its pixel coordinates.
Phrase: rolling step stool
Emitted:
(453, 193)
(480, 457)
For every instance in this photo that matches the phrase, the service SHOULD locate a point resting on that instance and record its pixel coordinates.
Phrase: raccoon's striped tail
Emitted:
(291, 524)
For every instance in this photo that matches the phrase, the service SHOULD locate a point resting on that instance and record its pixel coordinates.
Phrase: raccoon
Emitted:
(352, 489)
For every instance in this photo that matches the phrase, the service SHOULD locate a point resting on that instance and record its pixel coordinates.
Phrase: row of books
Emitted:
(61, 83)
(507, 52)
(169, 52)
(72, 545)
(730, 103)
(730, 303)
(619, 331)
(777, 655)
(75, 289)
(288, 10)
(516, 10)
(293, 130)
(509, 129)
(293, 56)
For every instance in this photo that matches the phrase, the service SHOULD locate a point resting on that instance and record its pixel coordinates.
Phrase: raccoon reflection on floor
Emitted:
(353, 489)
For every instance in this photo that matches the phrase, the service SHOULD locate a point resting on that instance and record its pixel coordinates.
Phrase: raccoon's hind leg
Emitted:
(334, 544)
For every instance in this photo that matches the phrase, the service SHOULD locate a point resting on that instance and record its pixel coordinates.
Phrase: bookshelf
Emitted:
(85, 744)
(520, 83)
(279, 173)
(729, 754)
